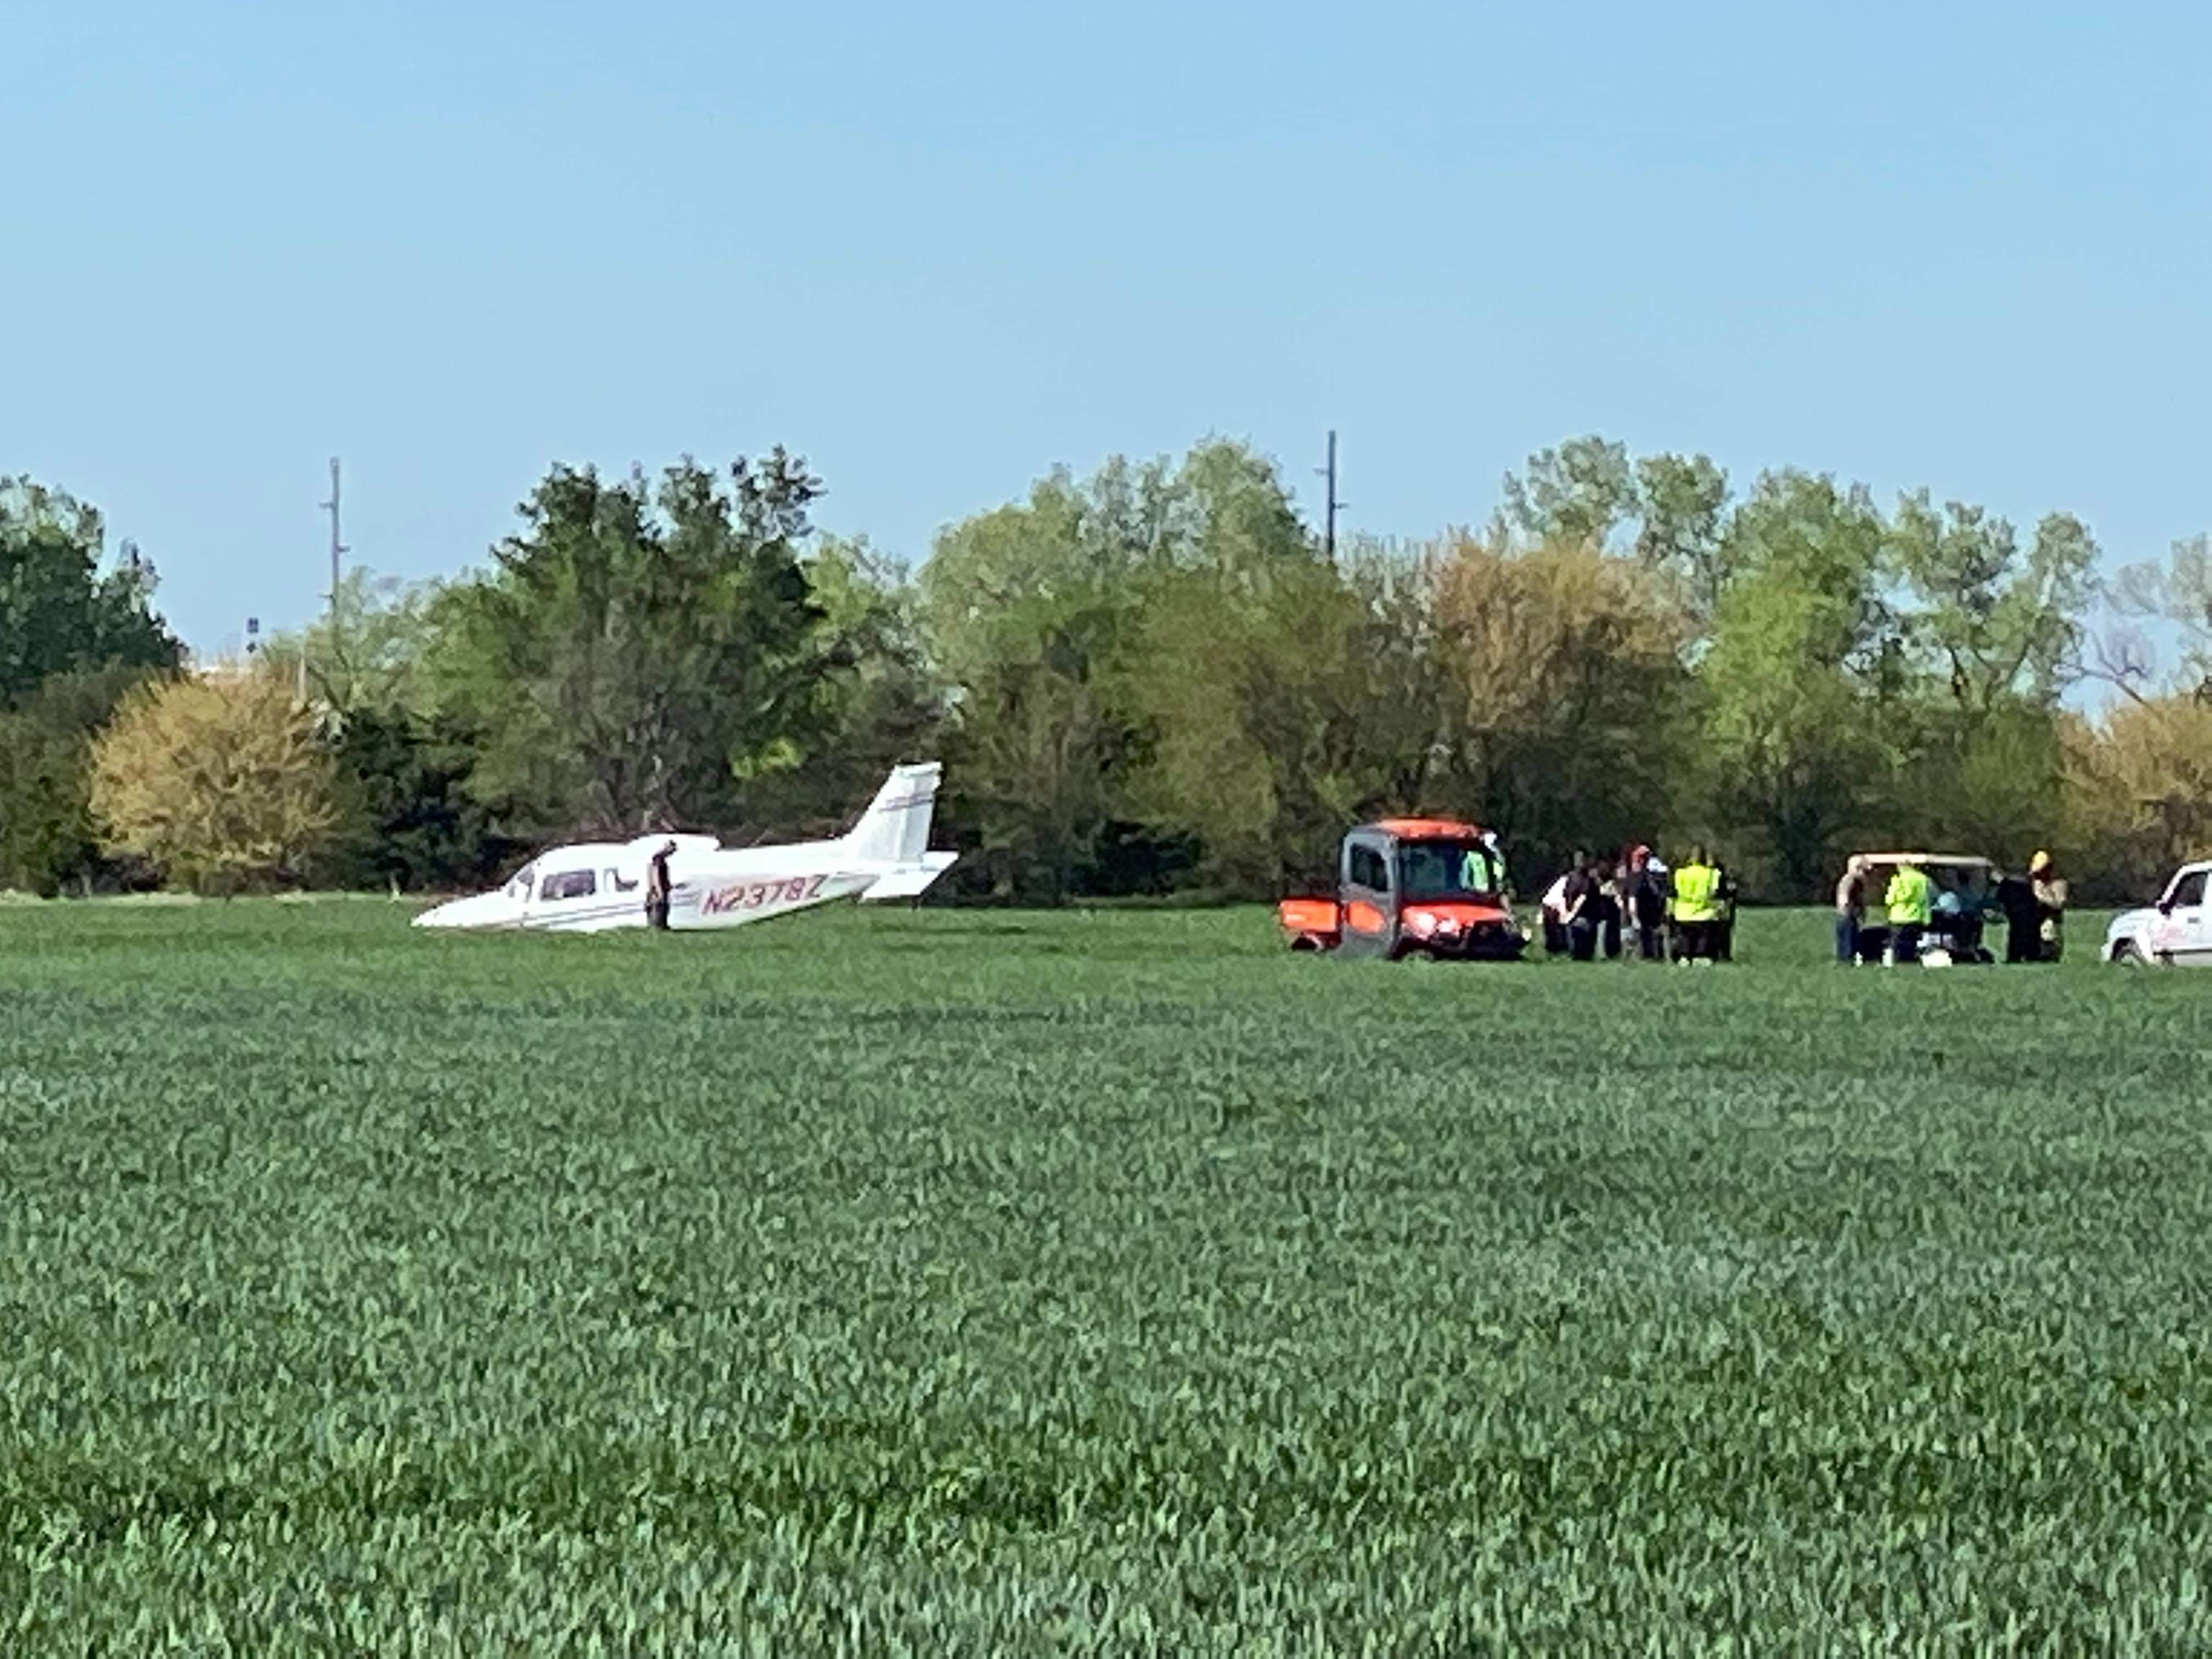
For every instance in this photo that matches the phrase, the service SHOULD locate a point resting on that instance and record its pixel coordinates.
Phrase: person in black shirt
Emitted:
(1723, 933)
(1585, 902)
(2023, 921)
(1647, 898)
(657, 889)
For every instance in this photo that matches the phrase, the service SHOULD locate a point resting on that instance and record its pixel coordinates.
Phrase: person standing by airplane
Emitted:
(657, 887)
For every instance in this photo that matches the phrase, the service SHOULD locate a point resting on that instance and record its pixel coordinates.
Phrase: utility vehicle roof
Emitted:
(1425, 829)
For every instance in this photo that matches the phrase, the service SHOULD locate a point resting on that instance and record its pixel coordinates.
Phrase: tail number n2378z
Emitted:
(751, 896)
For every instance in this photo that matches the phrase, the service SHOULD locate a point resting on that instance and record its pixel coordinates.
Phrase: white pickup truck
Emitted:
(2175, 932)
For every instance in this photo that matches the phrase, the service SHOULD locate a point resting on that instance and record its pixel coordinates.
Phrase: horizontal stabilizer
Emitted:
(910, 880)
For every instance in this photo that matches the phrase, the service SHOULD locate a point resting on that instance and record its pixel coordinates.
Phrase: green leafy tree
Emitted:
(1027, 611)
(412, 817)
(877, 701)
(1255, 695)
(1803, 664)
(1575, 495)
(1990, 633)
(59, 612)
(638, 649)
(367, 651)
(73, 638)
(1682, 503)
(48, 840)
(1992, 622)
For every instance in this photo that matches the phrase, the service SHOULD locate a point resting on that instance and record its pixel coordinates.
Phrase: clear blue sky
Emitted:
(938, 249)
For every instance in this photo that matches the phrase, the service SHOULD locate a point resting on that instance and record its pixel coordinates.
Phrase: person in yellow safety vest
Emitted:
(1697, 908)
(1474, 871)
(1910, 898)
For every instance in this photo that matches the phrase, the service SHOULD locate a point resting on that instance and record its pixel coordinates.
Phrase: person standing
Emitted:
(1501, 884)
(1650, 896)
(1554, 910)
(1850, 909)
(1474, 871)
(1612, 907)
(1910, 901)
(657, 887)
(1697, 908)
(1647, 900)
(1724, 892)
(1583, 900)
(2051, 896)
(2023, 918)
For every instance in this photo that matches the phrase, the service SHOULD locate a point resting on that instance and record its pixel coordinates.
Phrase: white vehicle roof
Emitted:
(1947, 860)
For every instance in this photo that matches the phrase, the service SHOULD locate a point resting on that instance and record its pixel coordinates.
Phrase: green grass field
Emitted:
(955, 1281)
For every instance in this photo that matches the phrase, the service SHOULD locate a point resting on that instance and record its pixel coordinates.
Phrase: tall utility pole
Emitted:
(338, 550)
(1330, 505)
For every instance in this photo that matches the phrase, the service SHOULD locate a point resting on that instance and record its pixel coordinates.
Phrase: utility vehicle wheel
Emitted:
(2124, 955)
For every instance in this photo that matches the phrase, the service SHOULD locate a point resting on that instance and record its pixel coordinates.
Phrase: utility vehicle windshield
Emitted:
(1446, 869)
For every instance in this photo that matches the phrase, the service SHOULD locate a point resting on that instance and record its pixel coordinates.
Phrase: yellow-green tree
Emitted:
(2139, 793)
(1565, 723)
(222, 782)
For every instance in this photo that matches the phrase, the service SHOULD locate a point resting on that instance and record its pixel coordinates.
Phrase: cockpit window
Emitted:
(518, 884)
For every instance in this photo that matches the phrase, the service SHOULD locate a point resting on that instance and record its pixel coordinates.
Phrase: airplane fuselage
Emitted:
(591, 887)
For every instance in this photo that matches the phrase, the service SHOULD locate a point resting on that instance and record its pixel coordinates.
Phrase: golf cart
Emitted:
(1966, 902)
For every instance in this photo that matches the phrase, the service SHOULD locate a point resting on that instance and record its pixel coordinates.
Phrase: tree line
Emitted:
(1152, 680)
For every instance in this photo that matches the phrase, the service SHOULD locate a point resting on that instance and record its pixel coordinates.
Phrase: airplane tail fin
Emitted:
(895, 829)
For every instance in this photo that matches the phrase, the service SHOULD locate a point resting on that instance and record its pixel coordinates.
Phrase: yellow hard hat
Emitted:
(2038, 864)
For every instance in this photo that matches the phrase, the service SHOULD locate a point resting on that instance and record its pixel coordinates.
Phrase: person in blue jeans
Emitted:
(1850, 909)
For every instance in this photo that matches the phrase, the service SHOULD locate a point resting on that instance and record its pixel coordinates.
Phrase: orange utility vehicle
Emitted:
(1407, 887)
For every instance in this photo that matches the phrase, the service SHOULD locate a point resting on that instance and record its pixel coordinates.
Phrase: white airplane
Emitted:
(594, 887)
